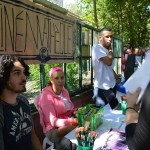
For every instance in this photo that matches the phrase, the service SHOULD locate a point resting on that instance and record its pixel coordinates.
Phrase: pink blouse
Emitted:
(52, 110)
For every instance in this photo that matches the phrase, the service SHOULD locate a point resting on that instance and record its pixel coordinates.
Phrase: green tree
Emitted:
(129, 19)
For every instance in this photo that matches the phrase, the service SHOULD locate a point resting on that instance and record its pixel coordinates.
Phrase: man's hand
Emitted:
(108, 59)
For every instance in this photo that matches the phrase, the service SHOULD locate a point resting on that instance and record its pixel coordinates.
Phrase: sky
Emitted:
(69, 1)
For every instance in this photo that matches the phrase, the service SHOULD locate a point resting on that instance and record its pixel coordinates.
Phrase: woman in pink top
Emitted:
(57, 111)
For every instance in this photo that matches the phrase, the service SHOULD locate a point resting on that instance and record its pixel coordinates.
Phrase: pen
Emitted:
(85, 137)
(110, 130)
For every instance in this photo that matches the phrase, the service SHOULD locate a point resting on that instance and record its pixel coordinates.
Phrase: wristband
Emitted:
(131, 108)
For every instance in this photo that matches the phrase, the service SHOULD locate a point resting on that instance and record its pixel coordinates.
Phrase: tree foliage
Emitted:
(129, 19)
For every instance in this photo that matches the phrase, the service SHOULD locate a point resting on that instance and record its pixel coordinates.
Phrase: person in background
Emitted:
(105, 77)
(127, 51)
(139, 56)
(16, 126)
(138, 116)
(133, 62)
(57, 111)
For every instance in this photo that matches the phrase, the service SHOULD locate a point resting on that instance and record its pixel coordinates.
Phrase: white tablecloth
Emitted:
(112, 119)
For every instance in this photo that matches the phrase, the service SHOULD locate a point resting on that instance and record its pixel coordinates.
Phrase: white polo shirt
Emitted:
(103, 74)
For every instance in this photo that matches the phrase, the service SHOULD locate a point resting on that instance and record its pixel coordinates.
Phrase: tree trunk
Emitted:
(95, 14)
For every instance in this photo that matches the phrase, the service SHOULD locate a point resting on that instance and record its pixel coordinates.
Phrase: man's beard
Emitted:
(107, 46)
(13, 89)
(20, 91)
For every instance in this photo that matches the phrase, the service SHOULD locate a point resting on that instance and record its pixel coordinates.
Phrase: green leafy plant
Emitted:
(72, 78)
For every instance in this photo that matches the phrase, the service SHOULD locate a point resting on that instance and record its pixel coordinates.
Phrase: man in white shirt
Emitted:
(104, 76)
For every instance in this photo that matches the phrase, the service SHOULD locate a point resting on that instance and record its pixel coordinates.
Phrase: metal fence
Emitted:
(79, 73)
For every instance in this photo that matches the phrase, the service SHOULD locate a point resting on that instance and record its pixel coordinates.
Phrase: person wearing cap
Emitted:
(57, 111)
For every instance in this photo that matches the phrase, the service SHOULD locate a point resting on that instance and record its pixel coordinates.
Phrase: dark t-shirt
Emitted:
(17, 126)
(130, 64)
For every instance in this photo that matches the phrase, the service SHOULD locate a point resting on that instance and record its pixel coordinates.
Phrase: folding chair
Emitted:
(47, 144)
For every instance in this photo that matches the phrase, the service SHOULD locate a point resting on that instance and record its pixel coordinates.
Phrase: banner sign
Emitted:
(36, 33)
